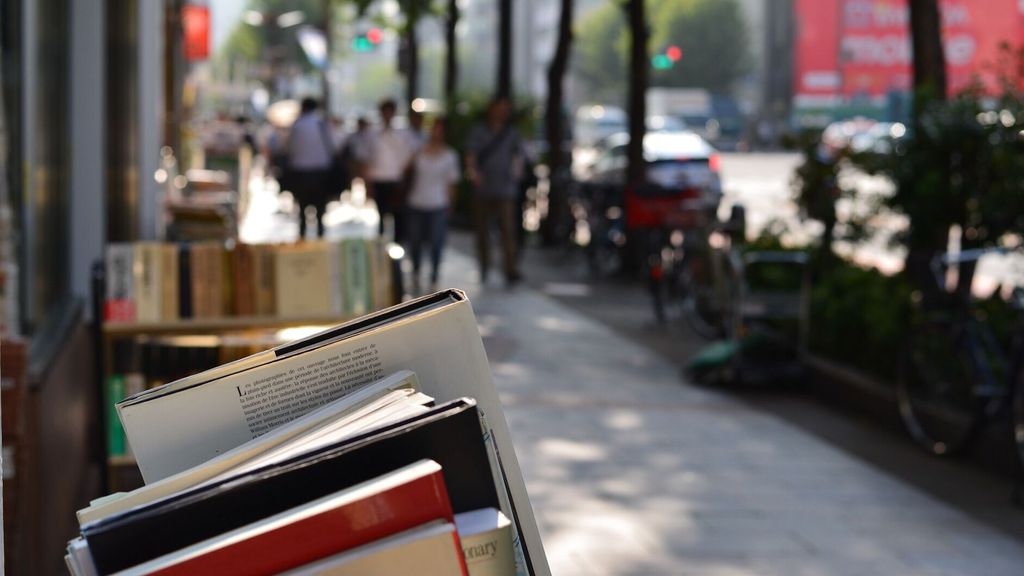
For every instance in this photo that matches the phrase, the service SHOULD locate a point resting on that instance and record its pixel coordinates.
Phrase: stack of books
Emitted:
(376, 447)
(160, 282)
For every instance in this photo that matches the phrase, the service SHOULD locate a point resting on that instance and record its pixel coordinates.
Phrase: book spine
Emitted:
(357, 277)
(227, 293)
(329, 532)
(245, 298)
(119, 304)
(147, 286)
(265, 289)
(185, 281)
(198, 281)
(169, 299)
(115, 392)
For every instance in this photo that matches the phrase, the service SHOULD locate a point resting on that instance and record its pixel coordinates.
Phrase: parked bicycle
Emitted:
(955, 375)
(693, 267)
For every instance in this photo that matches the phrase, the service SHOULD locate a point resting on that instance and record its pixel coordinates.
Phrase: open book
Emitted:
(184, 424)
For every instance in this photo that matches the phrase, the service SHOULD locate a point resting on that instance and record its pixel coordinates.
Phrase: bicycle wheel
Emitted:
(935, 388)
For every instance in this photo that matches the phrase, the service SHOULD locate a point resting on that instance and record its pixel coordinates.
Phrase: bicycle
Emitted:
(955, 377)
(693, 267)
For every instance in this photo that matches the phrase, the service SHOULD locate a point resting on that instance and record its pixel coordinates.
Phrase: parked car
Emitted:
(675, 160)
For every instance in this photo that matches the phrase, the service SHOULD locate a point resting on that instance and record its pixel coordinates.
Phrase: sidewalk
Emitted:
(633, 471)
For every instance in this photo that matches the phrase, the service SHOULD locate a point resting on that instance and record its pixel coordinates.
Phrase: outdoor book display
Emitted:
(171, 310)
(375, 447)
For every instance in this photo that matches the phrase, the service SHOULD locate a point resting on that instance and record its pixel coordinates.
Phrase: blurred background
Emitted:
(776, 244)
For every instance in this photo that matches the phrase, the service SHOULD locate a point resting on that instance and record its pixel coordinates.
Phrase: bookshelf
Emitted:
(227, 301)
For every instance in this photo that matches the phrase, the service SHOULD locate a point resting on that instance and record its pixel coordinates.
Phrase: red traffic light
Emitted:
(374, 35)
(674, 53)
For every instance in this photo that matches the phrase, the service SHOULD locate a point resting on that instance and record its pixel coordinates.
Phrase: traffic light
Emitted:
(367, 41)
(667, 59)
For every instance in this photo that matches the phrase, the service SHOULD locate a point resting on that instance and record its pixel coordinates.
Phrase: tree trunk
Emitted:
(554, 125)
(451, 68)
(636, 171)
(638, 75)
(929, 86)
(929, 58)
(504, 80)
(412, 54)
(328, 16)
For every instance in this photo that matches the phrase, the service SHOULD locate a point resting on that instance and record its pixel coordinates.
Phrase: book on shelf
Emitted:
(227, 449)
(119, 301)
(151, 282)
(303, 280)
(114, 392)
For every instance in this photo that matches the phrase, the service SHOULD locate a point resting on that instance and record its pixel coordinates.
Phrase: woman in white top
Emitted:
(435, 171)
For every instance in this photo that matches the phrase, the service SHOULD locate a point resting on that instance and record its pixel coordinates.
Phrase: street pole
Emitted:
(504, 84)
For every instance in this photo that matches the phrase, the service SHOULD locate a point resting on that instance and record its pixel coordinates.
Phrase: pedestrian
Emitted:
(435, 172)
(494, 159)
(390, 154)
(414, 132)
(310, 156)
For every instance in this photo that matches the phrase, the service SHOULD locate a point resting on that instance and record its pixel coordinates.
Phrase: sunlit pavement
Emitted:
(632, 471)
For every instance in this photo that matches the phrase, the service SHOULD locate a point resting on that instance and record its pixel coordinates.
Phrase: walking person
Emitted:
(310, 154)
(390, 154)
(494, 159)
(435, 171)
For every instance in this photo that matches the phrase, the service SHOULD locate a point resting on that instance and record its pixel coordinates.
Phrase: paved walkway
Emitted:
(633, 471)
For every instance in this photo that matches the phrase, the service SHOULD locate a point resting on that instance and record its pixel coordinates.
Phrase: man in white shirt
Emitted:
(389, 157)
(310, 152)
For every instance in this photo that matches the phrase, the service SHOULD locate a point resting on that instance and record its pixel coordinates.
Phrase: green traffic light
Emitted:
(661, 62)
(362, 44)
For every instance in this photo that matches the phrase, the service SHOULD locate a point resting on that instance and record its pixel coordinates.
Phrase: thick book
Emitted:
(264, 274)
(119, 301)
(380, 507)
(486, 537)
(244, 300)
(169, 298)
(114, 392)
(147, 272)
(184, 281)
(184, 423)
(358, 285)
(303, 280)
(428, 550)
(389, 396)
(449, 434)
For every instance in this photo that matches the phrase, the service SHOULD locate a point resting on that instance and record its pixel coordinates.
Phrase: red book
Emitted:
(386, 505)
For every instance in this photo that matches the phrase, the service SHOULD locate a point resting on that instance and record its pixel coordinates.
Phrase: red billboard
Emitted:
(860, 49)
(195, 25)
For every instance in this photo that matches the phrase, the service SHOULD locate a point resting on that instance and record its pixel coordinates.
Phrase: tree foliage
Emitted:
(711, 33)
(714, 40)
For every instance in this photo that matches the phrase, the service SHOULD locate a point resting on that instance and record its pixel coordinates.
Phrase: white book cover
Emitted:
(486, 536)
(185, 423)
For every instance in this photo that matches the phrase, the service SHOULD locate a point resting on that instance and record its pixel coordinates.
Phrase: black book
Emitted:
(450, 434)
(184, 282)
